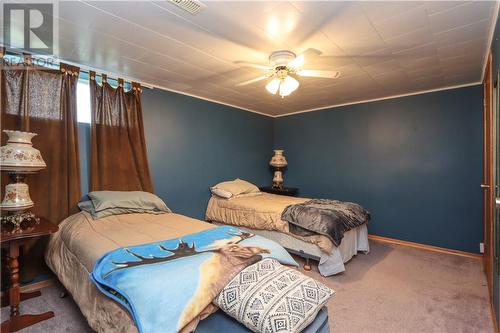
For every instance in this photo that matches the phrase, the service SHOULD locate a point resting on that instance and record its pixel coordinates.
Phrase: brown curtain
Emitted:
(118, 154)
(43, 101)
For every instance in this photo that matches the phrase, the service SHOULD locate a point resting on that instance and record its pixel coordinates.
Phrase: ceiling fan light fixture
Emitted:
(288, 85)
(283, 64)
(284, 92)
(273, 86)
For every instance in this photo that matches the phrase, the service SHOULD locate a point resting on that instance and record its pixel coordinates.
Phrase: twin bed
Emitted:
(262, 214)
(81, 240)
(84, 240)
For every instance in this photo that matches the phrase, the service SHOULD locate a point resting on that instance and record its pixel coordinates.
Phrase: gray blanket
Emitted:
(325, 217)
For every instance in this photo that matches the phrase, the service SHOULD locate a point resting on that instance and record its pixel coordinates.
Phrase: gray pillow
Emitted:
(106, 203)
(269, 297)
(86, 206)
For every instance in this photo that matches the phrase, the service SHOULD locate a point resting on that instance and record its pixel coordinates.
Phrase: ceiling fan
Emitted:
(283, 66)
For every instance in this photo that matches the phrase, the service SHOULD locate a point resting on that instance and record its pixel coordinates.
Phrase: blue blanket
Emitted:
(165, 285)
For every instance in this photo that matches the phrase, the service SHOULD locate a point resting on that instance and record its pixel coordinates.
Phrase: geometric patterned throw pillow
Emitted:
(267, 297)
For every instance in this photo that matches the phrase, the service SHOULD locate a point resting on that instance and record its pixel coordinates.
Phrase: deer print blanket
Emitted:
(165, 285)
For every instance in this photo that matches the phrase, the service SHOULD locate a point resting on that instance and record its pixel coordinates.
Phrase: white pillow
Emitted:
(269, 297)
(253, 194)
(229, 196)
(234, 188)
(221, 193)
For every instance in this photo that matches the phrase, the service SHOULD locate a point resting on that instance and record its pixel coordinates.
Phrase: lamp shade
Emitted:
(18, 155)
(288, 86)
(278, 160)
(273, 86)
(284, 84)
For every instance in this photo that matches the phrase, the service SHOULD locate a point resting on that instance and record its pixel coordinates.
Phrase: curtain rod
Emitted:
(85, 69)
(110, 75)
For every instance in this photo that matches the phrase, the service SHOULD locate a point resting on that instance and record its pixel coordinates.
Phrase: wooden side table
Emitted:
(289, 191)
(12, 240)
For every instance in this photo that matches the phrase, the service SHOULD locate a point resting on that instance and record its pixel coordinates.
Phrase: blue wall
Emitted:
(194, 144)
(415, 162)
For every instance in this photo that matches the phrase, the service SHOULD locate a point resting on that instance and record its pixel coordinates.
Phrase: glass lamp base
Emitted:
(18, 220)
(278, 179)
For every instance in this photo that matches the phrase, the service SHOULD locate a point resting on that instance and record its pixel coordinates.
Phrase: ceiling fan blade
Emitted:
(249, 64)
(318, 73)
(260, 78)
(303, 57)
(298, 61)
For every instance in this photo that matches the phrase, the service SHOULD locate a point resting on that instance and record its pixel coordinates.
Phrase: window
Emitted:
(82, 91)
(83, 101)
(83, 111)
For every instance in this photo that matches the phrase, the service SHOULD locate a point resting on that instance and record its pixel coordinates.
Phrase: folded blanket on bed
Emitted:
(165, 285)
(325, 217)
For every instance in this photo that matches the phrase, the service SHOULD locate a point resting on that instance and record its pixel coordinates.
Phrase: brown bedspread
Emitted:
(260, 212)
(80, 241)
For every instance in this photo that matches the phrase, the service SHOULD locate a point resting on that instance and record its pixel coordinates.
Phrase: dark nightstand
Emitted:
(289, 191)
(12, 240)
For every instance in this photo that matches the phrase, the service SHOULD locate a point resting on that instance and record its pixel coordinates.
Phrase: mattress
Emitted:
(354, 241)
(260, 212)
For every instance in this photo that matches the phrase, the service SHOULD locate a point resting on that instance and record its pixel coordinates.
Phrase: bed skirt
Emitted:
(354, 241)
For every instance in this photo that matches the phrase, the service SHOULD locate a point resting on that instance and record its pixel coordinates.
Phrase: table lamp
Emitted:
(19, 159)
(278, 161)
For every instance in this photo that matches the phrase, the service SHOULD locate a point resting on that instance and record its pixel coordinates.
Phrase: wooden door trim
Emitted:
(488, 176)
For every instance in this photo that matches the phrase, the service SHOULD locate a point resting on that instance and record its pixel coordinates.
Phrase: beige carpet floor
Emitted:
(392, 289)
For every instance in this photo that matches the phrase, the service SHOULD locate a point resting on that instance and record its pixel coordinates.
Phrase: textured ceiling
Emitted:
(381, 48)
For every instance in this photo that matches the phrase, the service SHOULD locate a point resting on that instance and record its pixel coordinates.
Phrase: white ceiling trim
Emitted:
(383, 49)
(212, 100)
(110, 75)
(381, 99)
(490, 38)
(116, 76)
(86, 68)
(154, 86)
(324, 107)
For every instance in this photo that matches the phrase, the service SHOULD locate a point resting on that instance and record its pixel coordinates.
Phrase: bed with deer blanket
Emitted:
(81, 241)
(197, 267)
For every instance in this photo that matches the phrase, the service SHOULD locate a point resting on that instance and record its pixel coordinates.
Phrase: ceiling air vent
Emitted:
(193, 7)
